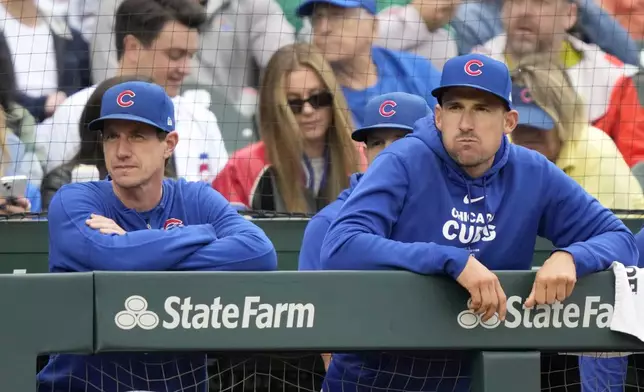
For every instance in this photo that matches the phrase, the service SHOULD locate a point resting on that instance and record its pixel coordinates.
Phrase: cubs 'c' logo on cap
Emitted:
(387, 108)
(172, 223)
(124, 99)
(525, 96)
(473, 67)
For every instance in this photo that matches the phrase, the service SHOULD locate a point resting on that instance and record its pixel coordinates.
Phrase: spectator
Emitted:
(12, 151)
(420, 27)
(237, 40)
(51, 60)
(345, 31)
(389, 117)
(19, 120)
(305, 155)
(613, 103)
(476, 22)
(88, 164)
(553, 121)
(156, 39)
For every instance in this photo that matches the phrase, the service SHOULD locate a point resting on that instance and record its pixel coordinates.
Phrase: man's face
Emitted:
(134, 153)
(342, 33)
(546, 142)
(472, 125)
(533, 26)
(168, 59)
(378, 140)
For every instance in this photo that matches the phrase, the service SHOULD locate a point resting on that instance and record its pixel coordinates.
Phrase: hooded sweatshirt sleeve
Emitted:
(577, 223)
(240, 246)
(74, 246)
(358, 238)
(309, 258)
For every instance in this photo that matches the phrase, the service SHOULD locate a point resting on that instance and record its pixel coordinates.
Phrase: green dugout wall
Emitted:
(384, 311)
(23, 244)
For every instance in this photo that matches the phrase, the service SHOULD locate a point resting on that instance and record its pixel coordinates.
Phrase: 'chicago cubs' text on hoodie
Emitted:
(193, 228)
(309, 259)
(430, 224)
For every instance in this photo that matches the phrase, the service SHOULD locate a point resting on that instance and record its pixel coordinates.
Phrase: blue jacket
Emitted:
(397, 71)
(395, 220)
(309, 259)
(192, 229)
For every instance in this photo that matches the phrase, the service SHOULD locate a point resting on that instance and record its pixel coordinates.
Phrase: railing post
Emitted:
(498, 371)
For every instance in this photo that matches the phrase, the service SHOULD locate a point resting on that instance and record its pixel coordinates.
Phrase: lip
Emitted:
(467, 140)
(309, 124)
(124, 167)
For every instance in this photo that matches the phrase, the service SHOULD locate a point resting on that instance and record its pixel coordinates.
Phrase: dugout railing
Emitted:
(319, 312)
(24, 242)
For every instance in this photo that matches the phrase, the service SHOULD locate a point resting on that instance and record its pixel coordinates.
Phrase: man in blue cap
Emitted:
(345, 31)
(138, 221)
(456, 198)
(388, 117)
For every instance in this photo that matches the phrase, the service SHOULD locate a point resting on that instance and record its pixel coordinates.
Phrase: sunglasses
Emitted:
(319, 100)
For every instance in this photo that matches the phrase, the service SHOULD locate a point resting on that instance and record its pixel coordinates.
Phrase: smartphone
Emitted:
(12, 187)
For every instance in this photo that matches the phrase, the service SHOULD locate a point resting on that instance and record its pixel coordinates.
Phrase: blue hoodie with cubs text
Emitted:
(430, 224)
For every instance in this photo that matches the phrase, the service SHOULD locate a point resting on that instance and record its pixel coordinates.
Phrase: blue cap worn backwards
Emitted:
(392, 111)
(476, 71)
(307, 6)
(142, 102)
(530, 114)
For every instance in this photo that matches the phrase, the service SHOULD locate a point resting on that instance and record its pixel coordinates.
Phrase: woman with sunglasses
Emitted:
(306, 153)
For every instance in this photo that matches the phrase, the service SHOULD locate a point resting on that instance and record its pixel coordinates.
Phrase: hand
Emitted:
(487, 295)
(104, 225)
(555, 280)
(52, 102)
(326, 358)
(20, 205)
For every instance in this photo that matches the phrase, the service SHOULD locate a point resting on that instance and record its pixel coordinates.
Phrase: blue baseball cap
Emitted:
(392, 110)
(143, 102)
(307, 6)
(530, 113)
(476, 71)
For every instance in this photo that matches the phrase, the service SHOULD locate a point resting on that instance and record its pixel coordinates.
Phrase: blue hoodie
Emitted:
(193, 228)
(317, 227)
(394, 220)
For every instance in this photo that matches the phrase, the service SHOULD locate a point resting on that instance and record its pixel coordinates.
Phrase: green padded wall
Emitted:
(23, 244)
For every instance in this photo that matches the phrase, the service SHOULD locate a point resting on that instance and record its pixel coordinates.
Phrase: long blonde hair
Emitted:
(282, 137)
(6, 158)
(552, 91)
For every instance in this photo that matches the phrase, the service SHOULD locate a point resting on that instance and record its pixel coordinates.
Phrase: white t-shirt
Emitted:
(199, 156)
(33, 53)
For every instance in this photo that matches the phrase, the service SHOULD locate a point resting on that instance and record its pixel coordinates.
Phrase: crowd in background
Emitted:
(304, 71)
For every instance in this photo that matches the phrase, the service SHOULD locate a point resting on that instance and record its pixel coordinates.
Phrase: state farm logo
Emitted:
(136, 313)
(468, 319)
(591, 313)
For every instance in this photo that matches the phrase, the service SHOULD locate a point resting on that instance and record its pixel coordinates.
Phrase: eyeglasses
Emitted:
(319, 100)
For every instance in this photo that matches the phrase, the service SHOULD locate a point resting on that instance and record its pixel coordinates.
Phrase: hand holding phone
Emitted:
(12, 195)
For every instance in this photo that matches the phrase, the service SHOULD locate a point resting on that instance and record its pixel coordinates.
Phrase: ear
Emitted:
(438, 120)
(570, 14)
(131, 48)
(170, 141)
(510, 122)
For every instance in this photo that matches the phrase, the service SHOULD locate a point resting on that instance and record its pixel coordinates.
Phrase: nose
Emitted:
(321, 25)
(308, 109)
(183, 66)
(123, 148)
(467, 122)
